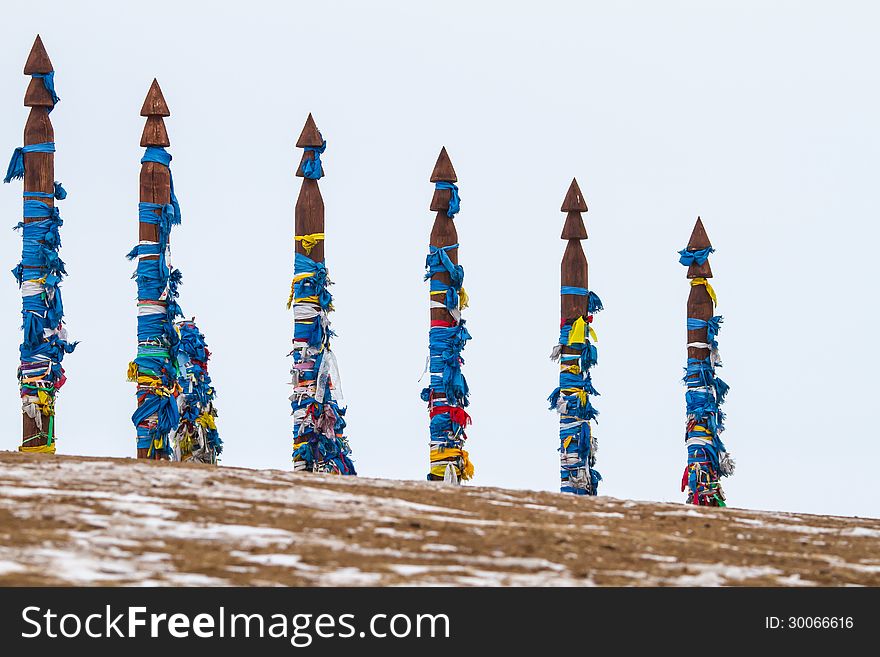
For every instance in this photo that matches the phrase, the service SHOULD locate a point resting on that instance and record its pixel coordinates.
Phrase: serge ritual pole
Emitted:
(707, 458)
(447, 392)
(576, 353)
(40, 271)
(155, 369)
(319, 444)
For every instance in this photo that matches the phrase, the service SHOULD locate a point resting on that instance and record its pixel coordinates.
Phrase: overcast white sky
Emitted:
(759, 116)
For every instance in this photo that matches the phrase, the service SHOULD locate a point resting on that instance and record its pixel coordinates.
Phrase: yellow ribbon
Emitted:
(132, 371)
(296, 279)
(577, 334)
(206, 420)
(467, 468)
(580, 394)
(186, 443)
(38, 449)
(463, 298)
(309, 241)
(45, 403)
(154, 383)
(157, 444)
(579, 330)
(703, 281)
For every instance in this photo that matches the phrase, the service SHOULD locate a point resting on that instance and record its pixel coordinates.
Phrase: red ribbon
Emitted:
(456, 414)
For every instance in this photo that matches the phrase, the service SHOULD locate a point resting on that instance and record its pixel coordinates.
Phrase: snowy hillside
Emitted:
(71, 520)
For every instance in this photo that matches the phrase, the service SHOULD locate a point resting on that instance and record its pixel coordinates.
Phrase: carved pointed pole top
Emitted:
(310, 135)
(699, 240)
(574, 204)
(38, 60)
(309, 138)
(154, 103)
(38, 94)
(155, 108)
(574, 200)
(443, 170)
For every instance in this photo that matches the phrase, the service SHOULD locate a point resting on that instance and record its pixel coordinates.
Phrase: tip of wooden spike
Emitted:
(574, 200)
(310, 135)
(699, 239)
(443, 170)
(38, 61)
(154, 103)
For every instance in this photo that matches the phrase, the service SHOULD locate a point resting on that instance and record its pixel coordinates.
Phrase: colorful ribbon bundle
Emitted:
(155, 369)
(571, 399)
(319, 444)
(196, 437)
(447, 393)
(708, 460)
(39, 273)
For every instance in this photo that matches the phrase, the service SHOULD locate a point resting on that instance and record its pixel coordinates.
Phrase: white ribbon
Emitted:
(329, 370)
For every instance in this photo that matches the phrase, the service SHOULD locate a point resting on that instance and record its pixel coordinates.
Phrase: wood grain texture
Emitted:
(309, 217)
(154, 133)
(443, 169)
(310, 135)
(37, 95)
(38, 60)
(574, 200)
(154, 103)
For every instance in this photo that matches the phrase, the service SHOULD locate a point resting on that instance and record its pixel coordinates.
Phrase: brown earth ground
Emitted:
(99, 521)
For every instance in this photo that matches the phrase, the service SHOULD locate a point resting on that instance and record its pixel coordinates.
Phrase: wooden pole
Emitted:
(155, 187)
(708, 460)
(319, 444)
(40, 379)
(576, 354)
(447, 393)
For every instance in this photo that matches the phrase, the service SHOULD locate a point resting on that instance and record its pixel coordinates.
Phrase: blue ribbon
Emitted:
(161, 156)
(49, 83)
(454, 199)
(15, 170)
(445, 345)
(712, 326)
(313, 169)
(59, 193)
(687, 258)
(439, 262)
